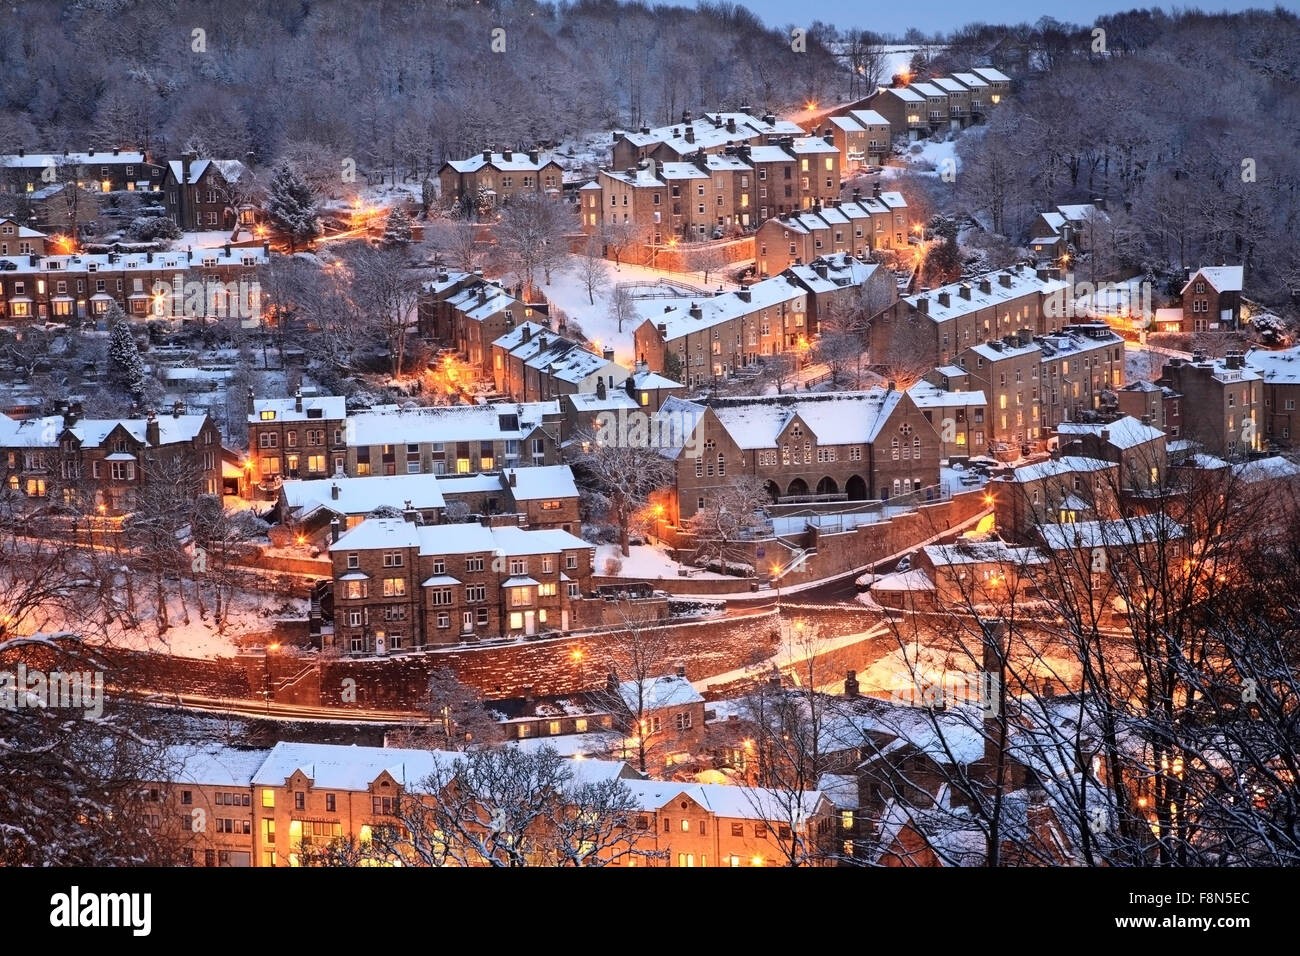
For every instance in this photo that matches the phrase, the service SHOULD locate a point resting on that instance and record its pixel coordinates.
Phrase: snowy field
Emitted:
(649, 562)
(568, 291)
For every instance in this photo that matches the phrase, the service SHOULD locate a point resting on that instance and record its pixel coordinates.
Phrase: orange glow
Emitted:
(577, 654)
(810, 105)
(273, 647)
(988, 499)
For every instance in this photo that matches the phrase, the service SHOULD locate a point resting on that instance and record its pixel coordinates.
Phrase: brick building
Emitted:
(107, 464)
(710, 133)
(264, 807)
(399, 585)
(1061, 490)
(497, 177)
(208, 194)
(299, 437)
(855, 227)
(100, 171)
(452, 439)
(939, 324)
(1221, 402)
(1212, 299)
(201, 283)
(530, 363)
(839, 446)
(1279, 374)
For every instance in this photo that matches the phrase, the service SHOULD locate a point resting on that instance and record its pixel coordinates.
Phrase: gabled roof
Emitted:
(518, 162)
(832, 418)
(1222, 278)
(387, 424)
(1126, 432)
(1120, 532)
(359, 496)
(37, 160)
(655, 693)
(869, 118)
(540, 481)
(330, 407)
(991, 75)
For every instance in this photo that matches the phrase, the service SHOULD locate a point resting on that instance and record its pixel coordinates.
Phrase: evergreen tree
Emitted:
(397, 231)
(125, 366)
(291, 205)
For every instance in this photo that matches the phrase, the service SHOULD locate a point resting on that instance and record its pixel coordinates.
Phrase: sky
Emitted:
(944, 15)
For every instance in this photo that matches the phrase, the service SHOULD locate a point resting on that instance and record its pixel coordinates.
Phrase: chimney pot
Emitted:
(334, 528)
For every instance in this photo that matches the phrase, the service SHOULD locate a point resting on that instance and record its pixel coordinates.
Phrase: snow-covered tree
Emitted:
(620, 475)
(290, 204)
(397, 231)
(125, 366)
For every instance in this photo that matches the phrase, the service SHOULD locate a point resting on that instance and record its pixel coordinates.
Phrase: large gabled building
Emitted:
(838, 446)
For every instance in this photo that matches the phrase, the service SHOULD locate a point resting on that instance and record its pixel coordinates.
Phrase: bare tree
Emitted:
(594, 274)
(514, 807)
(619, 472)
(731, 514)
(622, 305)
(637, 654)
(387, 290)
(532, 236)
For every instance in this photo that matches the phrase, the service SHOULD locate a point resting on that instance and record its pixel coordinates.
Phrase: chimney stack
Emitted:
(513, 477)
(152, 433)
(297, 400)
(334, 528)
(851, 686)
(681, 671)
(178, 409)
(250, 399)
(334, 491)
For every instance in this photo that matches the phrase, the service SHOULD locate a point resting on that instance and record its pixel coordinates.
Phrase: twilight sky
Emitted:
(931, 15)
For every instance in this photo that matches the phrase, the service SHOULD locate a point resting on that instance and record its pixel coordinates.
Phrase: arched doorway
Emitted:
(827, 486)
(856, 488)
(773, 490)
(797, 487)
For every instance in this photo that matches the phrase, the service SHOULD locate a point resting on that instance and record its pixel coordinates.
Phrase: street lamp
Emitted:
(659, 513)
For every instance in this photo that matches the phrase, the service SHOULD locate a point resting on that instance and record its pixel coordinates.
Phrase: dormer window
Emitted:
(268, 416)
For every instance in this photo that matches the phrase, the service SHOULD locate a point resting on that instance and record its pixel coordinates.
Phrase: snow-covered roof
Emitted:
(1003, 286)
(1222, 278)
(359, 496)
(212, 765)
(1123, 433)
(647, 379)
(23, 232)
(1064, 465)
(842, 270)
(156, 262)
(612, 400)
(929, 90)
(1120, 532)
(1266, 469)
(443, 539)
(927, 395)
(518, 162)
(948, 85)
(869, 118)
(1282, 368)
(832, 418)
(388, 425)
(654, 693)
(812, 144)
(981, 552)
(991, 75)
(970, 81)
(314, 408)
(231, 170)
(92, 432)
(339, 767)
(540, 482)
(905, 94)
(712, 131)
(846, 123)
(706, 312)
(727, 801)
(37, 160)
(382, 533)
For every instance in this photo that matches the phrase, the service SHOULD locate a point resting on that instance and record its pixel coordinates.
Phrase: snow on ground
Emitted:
(927, 156)
(649, 562)
(567, 291)
(792, 653)
(250, 613)
(210, 239)
(1141, 364)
